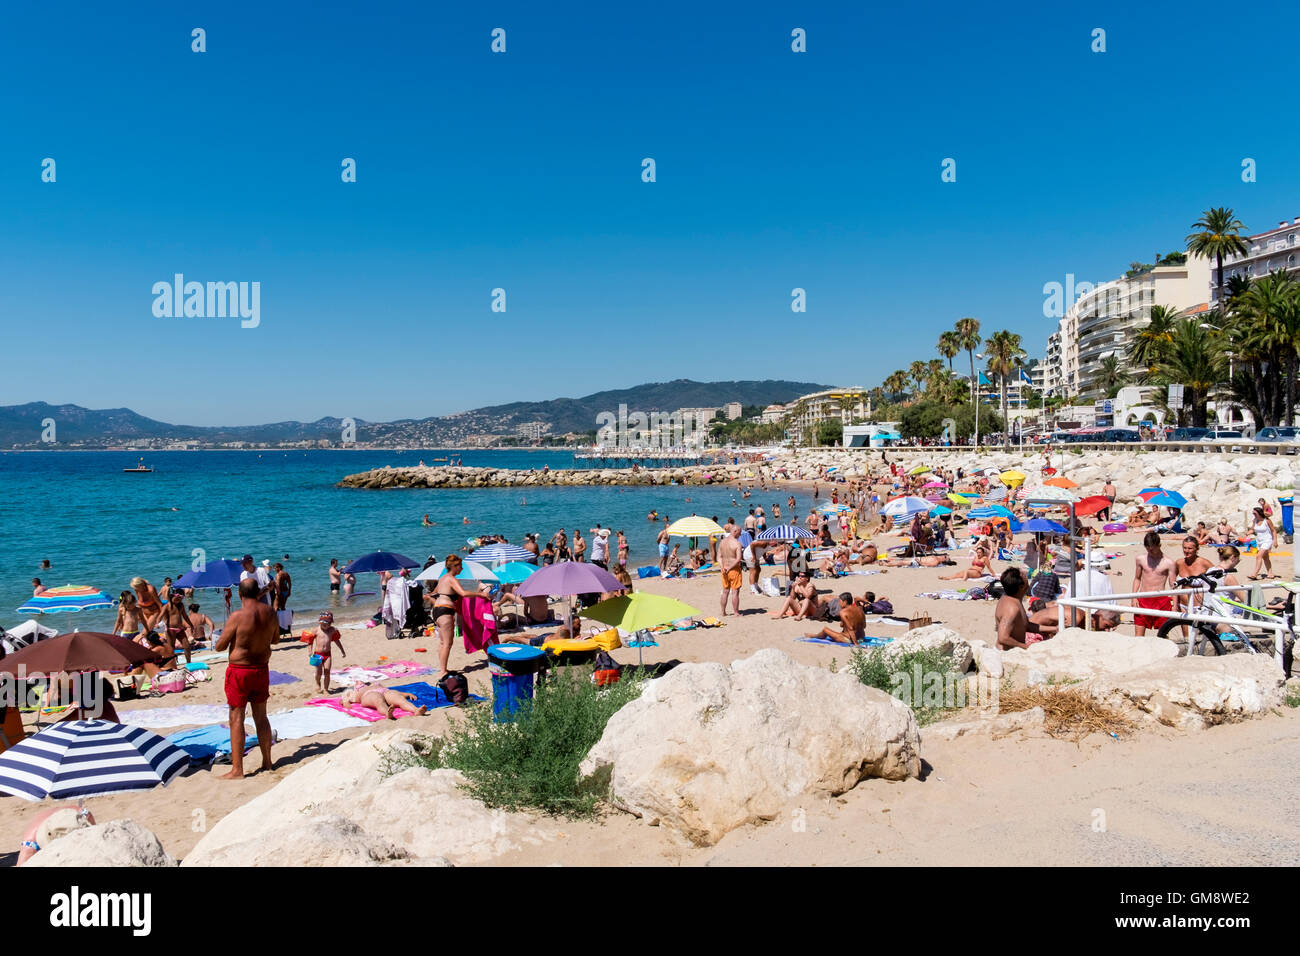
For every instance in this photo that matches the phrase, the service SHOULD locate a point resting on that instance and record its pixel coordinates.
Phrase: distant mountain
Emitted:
(74, 426)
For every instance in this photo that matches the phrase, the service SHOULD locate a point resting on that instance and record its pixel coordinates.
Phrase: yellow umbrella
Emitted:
(958, 499)
(919, 469)
(1012, 478)
(694, 527)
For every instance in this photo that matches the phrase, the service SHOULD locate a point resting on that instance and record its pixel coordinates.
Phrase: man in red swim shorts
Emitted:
(1154, 572)
(249, 634)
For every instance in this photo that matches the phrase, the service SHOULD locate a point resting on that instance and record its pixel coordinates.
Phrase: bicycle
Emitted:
(1222, 606)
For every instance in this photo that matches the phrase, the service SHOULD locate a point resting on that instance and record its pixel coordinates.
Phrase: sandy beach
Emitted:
(1014, 800)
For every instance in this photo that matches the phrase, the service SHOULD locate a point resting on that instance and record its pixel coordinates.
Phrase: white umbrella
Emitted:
(472, 571)
(906, 506)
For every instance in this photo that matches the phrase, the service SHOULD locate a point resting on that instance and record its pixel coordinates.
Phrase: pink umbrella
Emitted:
(934, 484)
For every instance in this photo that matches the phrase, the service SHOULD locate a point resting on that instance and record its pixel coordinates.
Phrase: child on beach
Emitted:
(326, 634)
(380, 698)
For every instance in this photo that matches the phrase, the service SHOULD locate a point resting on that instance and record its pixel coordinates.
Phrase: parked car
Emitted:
(1121, 434)
(1221, 433)
(1187, 434)
(1279, 433)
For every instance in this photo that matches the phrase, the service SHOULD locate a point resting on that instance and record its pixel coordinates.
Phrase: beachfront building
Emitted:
(1052, 365)
(733, 410)
(1104, 321)
(844, 405)
(533, 430)
(1265, 252)
(773, 414)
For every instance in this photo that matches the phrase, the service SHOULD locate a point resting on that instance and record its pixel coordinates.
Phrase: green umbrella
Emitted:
(637, 612)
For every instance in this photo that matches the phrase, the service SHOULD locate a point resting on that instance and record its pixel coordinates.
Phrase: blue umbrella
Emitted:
(501, 553)
(1043, 526)
(785, 532)
(223, 573)
(990, 511)
(1167, 499)
(68, 597)
(380, 561)
(514, 572)
(89, 758)
(941, 510)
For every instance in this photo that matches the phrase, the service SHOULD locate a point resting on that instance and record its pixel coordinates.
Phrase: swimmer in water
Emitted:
(464, 521)
(427, 523)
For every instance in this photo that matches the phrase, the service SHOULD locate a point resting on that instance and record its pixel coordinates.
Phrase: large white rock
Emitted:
(934, 637)
(995, 725)
(1196, 692)
(708, 748)
(116, 843)
(1076, 654)
(414, 816)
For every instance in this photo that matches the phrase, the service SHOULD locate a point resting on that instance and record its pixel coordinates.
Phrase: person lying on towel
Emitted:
(853, 623)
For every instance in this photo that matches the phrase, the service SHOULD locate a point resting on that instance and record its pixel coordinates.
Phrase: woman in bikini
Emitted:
(147, 601)
(177, 622)
(980, 565)
(446, 600)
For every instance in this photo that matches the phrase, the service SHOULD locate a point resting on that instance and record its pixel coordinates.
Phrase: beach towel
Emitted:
(310, 721)
(205, 743)
(351, 676)
(279, 677)
(155, 717)
(353, 711)
(867, 641)
(403, 669)
(427, 695)
(480, 630)
(211, 657)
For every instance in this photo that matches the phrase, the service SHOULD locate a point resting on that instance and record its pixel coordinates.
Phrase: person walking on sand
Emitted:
(1110, 492)
(326, 636)
(1152, 572)
(249, 634)
(1265, 537)
(729, 561)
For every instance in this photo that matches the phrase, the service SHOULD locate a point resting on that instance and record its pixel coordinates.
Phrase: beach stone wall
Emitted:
(708, 748)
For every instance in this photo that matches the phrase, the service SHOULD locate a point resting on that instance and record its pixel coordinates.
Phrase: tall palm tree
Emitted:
(949, 346)
(1218, 234)
(1005, 356)
(895, 384)
(1151, 337)
(1195, 358)
(1270, 334)
(968, 340)
(917, 373)
(1112, 376)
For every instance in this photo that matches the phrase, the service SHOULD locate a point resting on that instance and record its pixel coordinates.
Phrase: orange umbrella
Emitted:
(1061, 482)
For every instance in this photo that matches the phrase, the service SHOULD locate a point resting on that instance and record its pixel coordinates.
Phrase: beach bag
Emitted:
(606, 671)
(455, 686)
(169, 682)
(608, 640)
(919, 620)
(882, 607)
(648, 571)
(771, 587)
(126, 690)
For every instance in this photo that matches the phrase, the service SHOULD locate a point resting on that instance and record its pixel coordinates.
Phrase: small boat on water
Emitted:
(140, 469)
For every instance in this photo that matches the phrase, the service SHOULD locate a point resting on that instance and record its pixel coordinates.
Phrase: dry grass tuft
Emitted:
(1069, 711)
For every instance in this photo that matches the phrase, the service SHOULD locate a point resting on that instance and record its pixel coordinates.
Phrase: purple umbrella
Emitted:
(568, 578)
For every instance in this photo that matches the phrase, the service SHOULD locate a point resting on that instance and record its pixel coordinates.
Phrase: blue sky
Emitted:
(522, 170)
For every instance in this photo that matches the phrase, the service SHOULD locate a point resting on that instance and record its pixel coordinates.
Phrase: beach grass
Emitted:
(530, 763)
(905, 676)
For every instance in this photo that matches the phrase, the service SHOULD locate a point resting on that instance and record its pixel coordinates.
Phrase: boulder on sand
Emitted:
(1076, 654)
(116, 843)
(934, 637)
(413, 816)
(1196, 692)
(708, 748)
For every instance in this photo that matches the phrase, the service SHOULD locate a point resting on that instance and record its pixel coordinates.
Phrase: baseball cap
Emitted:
(247, 557)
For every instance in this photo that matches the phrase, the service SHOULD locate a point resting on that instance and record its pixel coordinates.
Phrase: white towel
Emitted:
(181, 716)
(309, 721)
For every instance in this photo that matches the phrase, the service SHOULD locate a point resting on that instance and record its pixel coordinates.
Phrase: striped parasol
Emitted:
(69, 597)
(501, 553)
(785, 532)
(84, 758)
(694, 527)
(989, 511)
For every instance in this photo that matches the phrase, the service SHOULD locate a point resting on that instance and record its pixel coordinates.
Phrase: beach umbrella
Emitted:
(635, 612)
(69, 597)
(380, 561)
(906, 507)
(223, 573)
(692, 527)
(834, 509)
(1150, 491)
(935, 484)
(76, 653)
(919, 470)
(785, 532)
(83, 758)
(1012, 478)
(501, 553)
(989, 511)
(959, 499)
(514, 572)
(568, 578)
(1163, 498)
(1091, 505)
(1043, 526)
(1061, 482)
(472, 571)
(940, 510)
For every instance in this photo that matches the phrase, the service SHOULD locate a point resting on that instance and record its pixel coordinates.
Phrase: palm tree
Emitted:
(968, 340)
(895, 384)
(1270, 340)
(1151, 338)
(1196, 359)
(917, 373)
(949, 346)
(1112, 377)
(1005, 356)
(1219, 235)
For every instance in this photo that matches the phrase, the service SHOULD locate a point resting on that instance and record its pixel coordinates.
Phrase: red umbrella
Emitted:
(1091, 505)
(78, 652)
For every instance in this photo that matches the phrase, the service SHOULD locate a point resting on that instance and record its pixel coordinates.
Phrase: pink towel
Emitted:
(480, 623)
(356, 710)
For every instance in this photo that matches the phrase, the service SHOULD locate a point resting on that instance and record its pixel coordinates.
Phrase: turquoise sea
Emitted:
(101, 527)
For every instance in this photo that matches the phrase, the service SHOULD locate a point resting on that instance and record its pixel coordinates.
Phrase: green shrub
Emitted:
(532, 762)
(926, 681)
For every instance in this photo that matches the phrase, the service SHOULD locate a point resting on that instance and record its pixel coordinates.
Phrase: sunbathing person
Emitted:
(802, 601)
(864, 552)
(853, 623)
(383, 699)
(980, 565)
(836, 563)
(924, 561)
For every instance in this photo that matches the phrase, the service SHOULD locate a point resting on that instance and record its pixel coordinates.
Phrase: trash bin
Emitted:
(1288, 517)
(512, 667)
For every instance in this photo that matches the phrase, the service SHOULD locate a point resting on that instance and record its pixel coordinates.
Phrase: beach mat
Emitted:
(280, 677)
(310, 721)
(429, 695)
(156, 717)
(203, 744)
(865, 642)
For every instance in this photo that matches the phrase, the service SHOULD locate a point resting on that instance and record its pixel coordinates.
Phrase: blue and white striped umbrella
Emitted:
(989, 511)
(785, 532)
(501, 553)
(84, 758)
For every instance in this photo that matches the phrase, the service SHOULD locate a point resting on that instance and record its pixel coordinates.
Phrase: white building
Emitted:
(733, 410)
(1103, 322)
(773, 414)
(837, 404)
(1266, 252)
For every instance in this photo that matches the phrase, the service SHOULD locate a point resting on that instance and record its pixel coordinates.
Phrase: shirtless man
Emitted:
(200, 626)
(853, 623)
(729, 561)
(177, 622)
(283, 585)
(662, 542)
(336, 578)
(1153, 572)
(249, 634)
(1048, 617)
(1012, 624)
(1111, 493)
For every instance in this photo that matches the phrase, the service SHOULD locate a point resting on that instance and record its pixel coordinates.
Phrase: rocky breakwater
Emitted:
(462, 477)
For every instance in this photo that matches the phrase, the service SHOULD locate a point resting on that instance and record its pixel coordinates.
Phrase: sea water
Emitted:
(101, 527)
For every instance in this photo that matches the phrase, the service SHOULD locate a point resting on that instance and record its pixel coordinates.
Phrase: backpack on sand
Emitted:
(455, 686)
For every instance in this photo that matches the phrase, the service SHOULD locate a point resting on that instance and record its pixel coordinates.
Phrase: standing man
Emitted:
(249, 634)
(283, 585)
(1110, 492)
(729, 560)
(260, 576)
(600, 549)
(662, 541)
(1153, 572)
(336, 578)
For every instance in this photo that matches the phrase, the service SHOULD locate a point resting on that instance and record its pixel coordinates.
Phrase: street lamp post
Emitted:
(977, 404)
